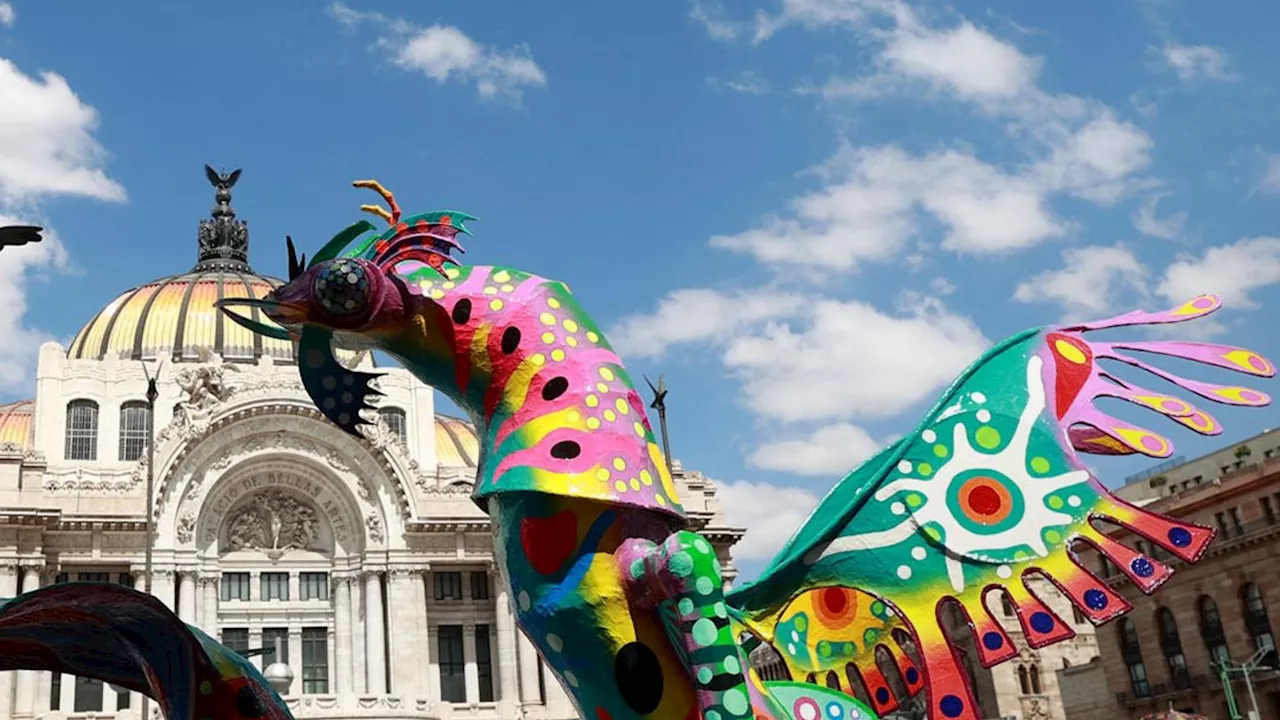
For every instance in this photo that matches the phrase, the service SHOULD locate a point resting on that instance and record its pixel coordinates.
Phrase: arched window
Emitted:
(134, 430)
(1024, 680)
(1171, 646)
(1131, 651)
(1255, 617)
(1034, 673)
(395, 419)
(82, 430)
(1215, 638)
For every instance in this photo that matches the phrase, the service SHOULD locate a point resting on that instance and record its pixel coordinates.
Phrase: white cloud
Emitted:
(880, 197)
(1192, 62)
(1230, 271)
(770, 513)
(1270, 183)
(444, 53)
(831, 450)
(851, 360)
(964, 60)
(746, 82)
(873, 209)
(47, 145)
(47, 149)
(8, 15)
(709, 16)
(1090, 283)
(20, 344)
(698, 315)
(1146, 222)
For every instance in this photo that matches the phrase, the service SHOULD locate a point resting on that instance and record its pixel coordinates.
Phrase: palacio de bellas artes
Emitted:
(357, 573)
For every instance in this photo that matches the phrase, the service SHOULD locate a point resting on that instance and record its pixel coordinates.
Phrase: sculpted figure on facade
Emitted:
(274, 522)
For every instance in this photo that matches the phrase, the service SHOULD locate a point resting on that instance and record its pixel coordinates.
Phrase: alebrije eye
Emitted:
(342, 288)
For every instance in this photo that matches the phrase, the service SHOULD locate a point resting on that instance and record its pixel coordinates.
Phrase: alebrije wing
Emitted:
(989, 492)
(339, 393)
(123, 637)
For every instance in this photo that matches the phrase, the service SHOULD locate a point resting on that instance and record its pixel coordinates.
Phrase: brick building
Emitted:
(1223, 607)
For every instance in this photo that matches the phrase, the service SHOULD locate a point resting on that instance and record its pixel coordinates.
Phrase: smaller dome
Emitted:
(457, 443)
(16, 424)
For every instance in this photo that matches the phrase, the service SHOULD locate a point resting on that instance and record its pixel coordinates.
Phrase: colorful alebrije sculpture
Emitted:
(628, 608)
(129, 639)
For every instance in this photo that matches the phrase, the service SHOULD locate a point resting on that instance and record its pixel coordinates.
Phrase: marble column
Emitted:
(27, 680)
(374, 635)
(425, 687)
(433, 664)
(187, 597)
(559, 706)
(295, 659)
(162, 586)
(530, 694)
(471, 673)
(135, 698)
(343, 671)
(357, 631)
(8, 588)
(506, 645)
(208, 609)
(67, 694)
(406, 645)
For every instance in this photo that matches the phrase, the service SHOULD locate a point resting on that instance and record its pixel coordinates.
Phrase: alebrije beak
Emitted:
(260, 328)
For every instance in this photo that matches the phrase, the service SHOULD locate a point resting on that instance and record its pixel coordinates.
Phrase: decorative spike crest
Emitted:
(296, 265)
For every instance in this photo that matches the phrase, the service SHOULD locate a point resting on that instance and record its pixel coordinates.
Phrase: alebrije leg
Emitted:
(682, 578)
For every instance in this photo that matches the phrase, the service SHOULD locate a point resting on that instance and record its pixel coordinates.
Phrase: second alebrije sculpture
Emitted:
(628, 607)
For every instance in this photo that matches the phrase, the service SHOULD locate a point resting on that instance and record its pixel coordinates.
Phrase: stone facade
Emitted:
(365, 559)
(1159, 655)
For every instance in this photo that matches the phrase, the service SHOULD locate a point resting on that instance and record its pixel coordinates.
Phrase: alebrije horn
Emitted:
(296, 266)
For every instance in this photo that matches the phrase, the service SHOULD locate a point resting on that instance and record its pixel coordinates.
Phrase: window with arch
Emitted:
(394, 417)
(1215, 638)
(135, 419)
(1131, 651)
(1255, 617)
(1171, 646)
(82, 430)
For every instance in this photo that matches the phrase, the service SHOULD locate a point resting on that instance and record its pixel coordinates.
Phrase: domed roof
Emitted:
(175, 317)
(457, 443)
(16, 426)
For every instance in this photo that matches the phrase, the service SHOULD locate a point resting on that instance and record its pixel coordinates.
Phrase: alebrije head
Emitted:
(354, 293)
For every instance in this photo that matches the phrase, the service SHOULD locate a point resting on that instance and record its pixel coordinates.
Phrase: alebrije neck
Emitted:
(455, 338)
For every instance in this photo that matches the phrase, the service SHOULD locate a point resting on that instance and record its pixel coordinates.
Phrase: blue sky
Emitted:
(808, 214)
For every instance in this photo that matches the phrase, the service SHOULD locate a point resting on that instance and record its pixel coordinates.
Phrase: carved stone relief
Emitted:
(186, 527)
(374, 525)
(273, 521)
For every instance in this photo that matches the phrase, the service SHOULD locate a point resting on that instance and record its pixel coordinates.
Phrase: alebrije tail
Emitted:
(988, 495)
(120, 636)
